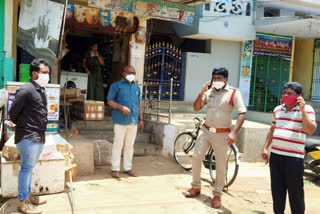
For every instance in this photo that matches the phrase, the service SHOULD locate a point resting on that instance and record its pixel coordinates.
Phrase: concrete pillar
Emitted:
(10, 31)
(137, 51)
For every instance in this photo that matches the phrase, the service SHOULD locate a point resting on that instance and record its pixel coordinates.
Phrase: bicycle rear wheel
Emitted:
(232, 166)
(183, 149)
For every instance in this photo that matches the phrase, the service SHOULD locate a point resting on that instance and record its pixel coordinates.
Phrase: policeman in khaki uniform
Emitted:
(220, 99)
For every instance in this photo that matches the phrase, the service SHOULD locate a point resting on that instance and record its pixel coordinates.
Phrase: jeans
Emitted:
(287, 176)
(124, 137)
(29, 153)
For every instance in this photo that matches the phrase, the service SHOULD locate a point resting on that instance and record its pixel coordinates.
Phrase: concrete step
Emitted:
(103, 151)
(142, 137)
(185, 107)
(99, 125)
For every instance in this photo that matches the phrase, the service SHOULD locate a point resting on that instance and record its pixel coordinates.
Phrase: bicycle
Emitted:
(183, 151)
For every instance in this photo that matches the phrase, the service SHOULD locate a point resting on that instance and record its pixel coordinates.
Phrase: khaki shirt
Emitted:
(219, 111)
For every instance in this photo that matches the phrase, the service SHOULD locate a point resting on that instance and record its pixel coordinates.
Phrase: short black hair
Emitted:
(35, 65)
(93, 43)
(220, 71)
(294, 86)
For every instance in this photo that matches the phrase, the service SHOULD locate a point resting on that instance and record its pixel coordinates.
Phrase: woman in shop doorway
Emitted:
(92, 63)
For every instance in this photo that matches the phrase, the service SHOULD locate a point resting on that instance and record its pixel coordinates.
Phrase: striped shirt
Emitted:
(289, 137)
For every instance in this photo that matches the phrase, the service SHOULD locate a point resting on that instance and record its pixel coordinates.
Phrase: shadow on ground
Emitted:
(311, 177)
(143, 166)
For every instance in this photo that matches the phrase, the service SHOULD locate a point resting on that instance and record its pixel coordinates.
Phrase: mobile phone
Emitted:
(209, 86)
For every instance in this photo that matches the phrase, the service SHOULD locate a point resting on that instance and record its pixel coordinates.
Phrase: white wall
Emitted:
(221, 22)
(226, 25)
(200, 65)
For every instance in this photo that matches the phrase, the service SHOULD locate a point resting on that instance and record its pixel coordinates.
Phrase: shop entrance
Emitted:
(112, 48)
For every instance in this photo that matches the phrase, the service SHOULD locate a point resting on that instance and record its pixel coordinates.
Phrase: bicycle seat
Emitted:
(311, 143)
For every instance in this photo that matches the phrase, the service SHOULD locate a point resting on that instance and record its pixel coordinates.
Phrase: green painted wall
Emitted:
(2, 6)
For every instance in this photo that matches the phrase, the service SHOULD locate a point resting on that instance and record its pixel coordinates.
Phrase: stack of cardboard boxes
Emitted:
(94, 110)
(90, 110)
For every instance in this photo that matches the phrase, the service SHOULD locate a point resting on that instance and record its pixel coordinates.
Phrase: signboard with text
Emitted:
(266, 45)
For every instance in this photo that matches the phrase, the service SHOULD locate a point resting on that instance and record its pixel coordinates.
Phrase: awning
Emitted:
(192, 2)
(181, 11)
(185, 2)
(304, 28)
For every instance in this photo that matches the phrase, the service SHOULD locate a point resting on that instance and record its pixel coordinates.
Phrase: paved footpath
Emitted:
(159, 187)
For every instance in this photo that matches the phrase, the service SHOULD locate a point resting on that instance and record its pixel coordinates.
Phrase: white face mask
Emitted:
(43, 80)
(217, 85)
(130, 77)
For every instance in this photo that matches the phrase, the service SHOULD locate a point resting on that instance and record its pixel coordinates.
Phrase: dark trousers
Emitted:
(287, 175)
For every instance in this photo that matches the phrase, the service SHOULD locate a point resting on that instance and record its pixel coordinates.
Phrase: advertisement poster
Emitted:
(245, 70)
(70, 9)
(39, 28)
(150, 8)
(266, 45)
(53, 97)
(122, 5)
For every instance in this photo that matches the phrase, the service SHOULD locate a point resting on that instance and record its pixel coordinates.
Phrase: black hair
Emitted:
(93, 43)
(35, 65)
(220, 71)
(294, 86)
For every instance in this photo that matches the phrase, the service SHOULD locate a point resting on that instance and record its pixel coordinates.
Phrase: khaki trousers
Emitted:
(220, 147)
(124, 137)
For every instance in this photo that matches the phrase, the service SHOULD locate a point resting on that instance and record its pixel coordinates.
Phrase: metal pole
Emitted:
(170, 103)
(71, 188)
(313, 67)
(158, 110)
(145, 98)
(267, 86)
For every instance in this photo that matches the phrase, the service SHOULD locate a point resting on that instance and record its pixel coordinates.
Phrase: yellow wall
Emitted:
(302, 69)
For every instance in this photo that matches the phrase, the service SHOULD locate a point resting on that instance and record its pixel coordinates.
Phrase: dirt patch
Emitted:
(159, 188)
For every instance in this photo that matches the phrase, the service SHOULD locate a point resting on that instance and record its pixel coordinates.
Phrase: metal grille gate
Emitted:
(268, 77)
(163, 62)
(315, 84)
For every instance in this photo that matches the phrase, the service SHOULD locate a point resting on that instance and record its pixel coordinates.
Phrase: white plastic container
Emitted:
(48, 177)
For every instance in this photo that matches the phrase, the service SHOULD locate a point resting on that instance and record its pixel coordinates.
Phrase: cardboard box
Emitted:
(80, 79)
(70, 93)
(94, 110)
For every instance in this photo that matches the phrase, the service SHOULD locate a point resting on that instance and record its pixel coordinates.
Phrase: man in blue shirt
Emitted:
(124, 98)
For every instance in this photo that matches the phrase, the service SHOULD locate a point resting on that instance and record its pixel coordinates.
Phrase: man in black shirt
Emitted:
(29, 114)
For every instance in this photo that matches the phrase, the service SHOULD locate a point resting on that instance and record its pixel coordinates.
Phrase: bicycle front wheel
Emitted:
(232, 166)
(183, 149)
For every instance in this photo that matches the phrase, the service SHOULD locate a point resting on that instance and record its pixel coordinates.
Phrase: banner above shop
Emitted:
(161, 9)
(267, 45)
(95, 19)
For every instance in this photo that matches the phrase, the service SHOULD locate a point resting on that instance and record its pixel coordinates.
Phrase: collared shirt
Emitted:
(219, 111)
(29, 112)
(289, 137)
(126, 94)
